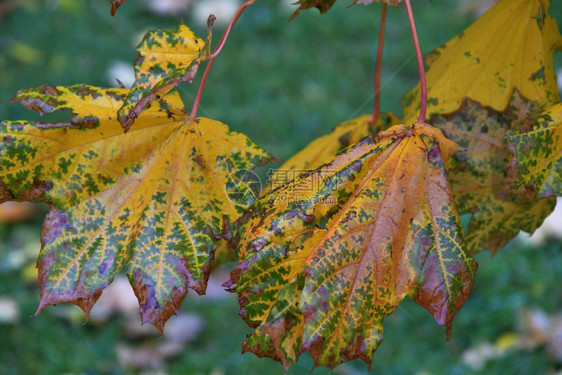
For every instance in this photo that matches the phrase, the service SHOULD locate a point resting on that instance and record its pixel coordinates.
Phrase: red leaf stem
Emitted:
(423, 84)
(376, 110)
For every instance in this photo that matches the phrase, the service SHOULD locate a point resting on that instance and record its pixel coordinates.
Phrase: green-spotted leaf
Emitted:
(499, 219)
(479, 175)
(166, 58)
(326, 257)
(481, 164)
(510, 46)
(537, 147)
(115, 4)
(150, 202)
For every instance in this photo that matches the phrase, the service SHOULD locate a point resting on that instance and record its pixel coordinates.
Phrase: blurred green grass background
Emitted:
(283, 84)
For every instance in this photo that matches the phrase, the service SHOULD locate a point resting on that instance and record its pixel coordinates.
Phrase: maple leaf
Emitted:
(325, 258)
(150, 202)
(166, 58)
(537, 146)
(510, 46)
(478, 177)
(115, 4)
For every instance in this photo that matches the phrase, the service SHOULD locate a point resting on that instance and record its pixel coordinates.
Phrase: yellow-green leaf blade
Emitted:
(88, 104)
(165, 59)
(479, 179)
(538, 153)
(499, 220)
(272, 254)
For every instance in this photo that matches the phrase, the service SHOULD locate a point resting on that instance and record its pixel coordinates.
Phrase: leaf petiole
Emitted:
(423, 84)
(376, 110)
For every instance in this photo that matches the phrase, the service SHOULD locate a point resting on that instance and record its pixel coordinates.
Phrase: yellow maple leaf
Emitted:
(151, 201)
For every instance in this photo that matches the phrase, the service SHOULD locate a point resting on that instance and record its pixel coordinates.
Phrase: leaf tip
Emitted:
(126, 122)
(160, 327)
(85, 302)
(42, 304)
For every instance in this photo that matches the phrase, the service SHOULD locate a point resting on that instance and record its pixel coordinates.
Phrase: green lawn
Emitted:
(283, 84)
